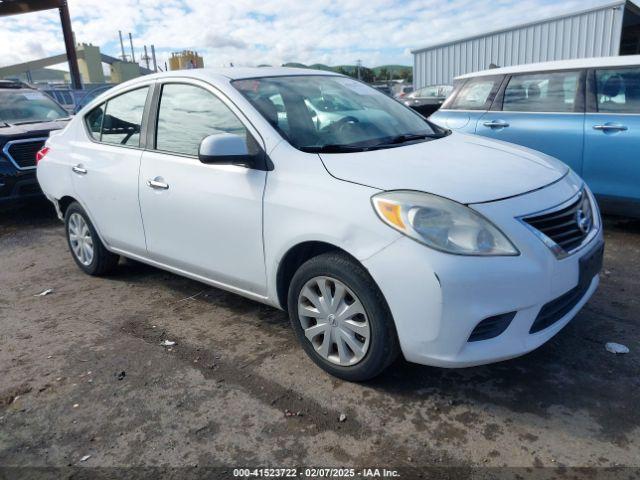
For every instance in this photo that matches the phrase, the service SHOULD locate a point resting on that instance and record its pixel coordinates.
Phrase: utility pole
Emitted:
(133, 55)
(123, 56)
(146, 57)
(358, 65)
(153, 57)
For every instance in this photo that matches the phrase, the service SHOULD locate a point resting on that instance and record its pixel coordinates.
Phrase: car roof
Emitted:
(211, 75)
(620, 61)
(238, 73)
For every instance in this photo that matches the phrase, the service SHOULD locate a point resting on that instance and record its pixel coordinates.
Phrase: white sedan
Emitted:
(379, 232)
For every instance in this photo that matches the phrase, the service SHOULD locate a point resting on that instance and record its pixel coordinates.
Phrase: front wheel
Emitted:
(86, 248)
(341, 318)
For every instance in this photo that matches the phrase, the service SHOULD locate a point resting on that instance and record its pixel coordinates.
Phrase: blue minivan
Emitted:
(583, 112)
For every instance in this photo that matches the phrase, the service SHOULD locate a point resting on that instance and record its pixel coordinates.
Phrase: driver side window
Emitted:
(189, 113)
(123, 118)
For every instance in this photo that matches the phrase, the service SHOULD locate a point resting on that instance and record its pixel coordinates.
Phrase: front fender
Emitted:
(304, 203)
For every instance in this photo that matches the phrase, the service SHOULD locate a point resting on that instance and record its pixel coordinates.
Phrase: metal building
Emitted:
(607, 30)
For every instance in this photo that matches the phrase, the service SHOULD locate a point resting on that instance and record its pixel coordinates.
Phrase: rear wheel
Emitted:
(86, 248)
(341, 318)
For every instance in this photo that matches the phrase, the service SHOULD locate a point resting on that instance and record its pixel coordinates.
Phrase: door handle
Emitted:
(611, 127)
(496, 124)
(79, 169)
(157, 185)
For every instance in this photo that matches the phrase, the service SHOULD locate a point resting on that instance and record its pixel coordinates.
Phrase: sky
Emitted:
(254, 32)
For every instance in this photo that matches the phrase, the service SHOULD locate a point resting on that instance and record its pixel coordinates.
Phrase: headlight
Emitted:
(442, 224)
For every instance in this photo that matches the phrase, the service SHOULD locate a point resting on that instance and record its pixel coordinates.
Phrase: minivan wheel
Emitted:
(341, 318)
(86, 247)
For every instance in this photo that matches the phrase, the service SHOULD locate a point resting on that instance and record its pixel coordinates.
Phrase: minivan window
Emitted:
(67, 99)
(188, 114)
(123, 119)
(436, 91)
(618, 90)
(542, 92)
(333, 114)
(475, 94)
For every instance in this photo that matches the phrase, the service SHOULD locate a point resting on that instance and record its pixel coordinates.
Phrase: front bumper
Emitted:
(19, 185)
(438, 299)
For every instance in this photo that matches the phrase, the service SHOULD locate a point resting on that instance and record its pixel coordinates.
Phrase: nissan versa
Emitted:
(376, 230)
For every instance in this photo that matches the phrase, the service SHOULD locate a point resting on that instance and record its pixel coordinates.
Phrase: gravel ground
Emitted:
(82, 372)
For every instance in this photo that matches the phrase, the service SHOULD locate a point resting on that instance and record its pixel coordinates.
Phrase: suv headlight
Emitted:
(441, 224)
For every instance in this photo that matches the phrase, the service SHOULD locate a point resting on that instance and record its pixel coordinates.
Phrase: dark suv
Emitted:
(26, 118)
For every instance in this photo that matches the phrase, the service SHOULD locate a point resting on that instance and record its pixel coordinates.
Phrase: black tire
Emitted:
(383, 344)
(103, 261)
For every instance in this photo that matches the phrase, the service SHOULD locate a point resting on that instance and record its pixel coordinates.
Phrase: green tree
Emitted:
(366, 74)
(383, 74)
(406, 74)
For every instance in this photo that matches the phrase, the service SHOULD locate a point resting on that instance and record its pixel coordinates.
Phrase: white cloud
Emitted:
(252, 32)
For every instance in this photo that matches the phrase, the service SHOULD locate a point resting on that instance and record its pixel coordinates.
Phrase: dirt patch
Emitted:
(236, 390)
(8, 396)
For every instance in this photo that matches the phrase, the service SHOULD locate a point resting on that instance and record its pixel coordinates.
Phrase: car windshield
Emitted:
(332, 114)
(28, 106)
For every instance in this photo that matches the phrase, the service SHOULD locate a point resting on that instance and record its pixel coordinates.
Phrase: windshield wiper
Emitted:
(405, 138)
(388, 142)
(334, 148)
(408, 138)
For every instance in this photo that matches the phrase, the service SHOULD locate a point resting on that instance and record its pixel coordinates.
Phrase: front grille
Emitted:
(491, 327)
(22, 153)
(566, 227)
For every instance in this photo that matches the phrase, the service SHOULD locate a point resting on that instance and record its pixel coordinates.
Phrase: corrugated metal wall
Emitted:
(591, 33)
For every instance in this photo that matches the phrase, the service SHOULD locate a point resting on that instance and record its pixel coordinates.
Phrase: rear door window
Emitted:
(476, 94)
(542, 92)
(123, 118)
(618, 90)
(94, 121)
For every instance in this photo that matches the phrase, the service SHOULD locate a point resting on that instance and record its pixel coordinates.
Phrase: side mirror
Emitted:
(225, 149)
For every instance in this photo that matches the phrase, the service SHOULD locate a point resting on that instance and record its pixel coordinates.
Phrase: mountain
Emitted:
(322, 66)
(395, 70)
(294, 65)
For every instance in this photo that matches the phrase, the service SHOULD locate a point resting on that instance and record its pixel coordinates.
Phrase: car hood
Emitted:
(464, 168)
(40, 129)
(425, 101)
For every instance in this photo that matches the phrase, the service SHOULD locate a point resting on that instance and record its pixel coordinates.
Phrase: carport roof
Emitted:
(614, 4)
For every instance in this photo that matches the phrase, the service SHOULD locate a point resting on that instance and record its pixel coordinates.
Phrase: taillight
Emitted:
(41, 154)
